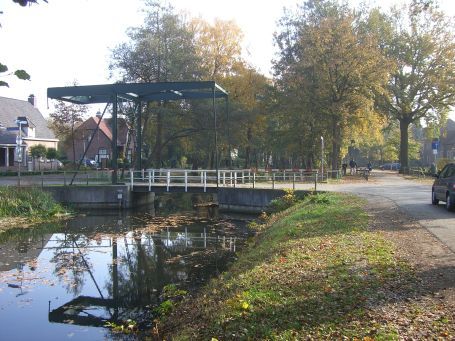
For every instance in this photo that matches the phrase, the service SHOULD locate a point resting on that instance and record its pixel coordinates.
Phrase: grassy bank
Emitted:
(25, 205)
(314, 271)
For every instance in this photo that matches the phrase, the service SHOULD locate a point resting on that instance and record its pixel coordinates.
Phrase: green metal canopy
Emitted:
(139, 93)
(144, 92)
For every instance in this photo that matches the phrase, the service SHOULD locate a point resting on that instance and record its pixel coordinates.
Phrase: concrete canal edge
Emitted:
(242, 200)
(247, 200)
(99, 197)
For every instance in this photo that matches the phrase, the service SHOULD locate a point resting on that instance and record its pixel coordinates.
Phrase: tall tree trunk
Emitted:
(249, 136)
(404, 144)
(74, 143)
(336, 142)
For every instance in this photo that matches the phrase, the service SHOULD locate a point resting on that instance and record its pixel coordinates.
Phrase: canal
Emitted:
(70, 280)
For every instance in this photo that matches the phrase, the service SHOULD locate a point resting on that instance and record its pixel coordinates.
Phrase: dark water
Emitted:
(68, 281)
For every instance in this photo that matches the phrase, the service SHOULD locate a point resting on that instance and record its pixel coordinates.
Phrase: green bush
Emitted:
(284, 202)
(28, 202)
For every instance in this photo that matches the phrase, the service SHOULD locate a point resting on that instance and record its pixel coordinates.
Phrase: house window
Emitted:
(102, 152)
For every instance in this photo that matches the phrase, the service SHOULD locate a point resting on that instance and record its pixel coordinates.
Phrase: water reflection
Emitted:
(101, 268)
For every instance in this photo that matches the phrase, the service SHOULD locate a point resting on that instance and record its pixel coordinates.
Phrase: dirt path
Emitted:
(432, 297)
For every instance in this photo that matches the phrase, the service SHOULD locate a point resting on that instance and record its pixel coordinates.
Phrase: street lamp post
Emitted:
(19, 150)
(322, 157)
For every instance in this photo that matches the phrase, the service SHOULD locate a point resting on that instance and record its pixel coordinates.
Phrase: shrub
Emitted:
(27, 202)
(284, 202)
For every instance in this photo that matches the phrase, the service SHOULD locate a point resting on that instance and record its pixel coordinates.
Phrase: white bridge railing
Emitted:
(204, 178)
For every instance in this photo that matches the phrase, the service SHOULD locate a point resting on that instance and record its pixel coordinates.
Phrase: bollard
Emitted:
(273, 180)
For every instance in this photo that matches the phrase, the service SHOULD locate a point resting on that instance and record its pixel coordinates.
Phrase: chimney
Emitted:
(32, 100)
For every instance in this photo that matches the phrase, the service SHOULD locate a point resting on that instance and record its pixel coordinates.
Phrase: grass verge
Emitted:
(314, 271)
(22, 206)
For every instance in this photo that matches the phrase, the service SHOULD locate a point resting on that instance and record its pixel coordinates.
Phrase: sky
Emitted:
(65, 41)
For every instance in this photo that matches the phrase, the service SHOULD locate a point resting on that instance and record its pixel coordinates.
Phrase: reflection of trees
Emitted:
(146, 262)
(71, 262)
(139, 272)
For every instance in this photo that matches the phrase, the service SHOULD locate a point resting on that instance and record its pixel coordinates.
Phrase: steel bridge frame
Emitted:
(140, 93)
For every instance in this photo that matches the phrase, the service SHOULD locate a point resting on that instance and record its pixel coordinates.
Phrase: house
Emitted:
(100, 148)
(21, 121)
(446, 145)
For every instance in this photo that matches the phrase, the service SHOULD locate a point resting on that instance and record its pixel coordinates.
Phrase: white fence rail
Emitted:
(187, 178)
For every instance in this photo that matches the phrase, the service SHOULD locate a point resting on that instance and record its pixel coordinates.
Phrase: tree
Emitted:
(21, 74)
(64, 120)
(38, 152)
(160, 50)
(218, 47)
(422, 84)
(328, 69)
(51, 154)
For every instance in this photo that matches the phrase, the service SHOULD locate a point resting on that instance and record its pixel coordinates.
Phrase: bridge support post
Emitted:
(254, 179)
(131, 178)
(293, 181)
(224, 178)
(150, 180)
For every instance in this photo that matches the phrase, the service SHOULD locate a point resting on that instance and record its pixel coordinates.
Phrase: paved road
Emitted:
(412, 197)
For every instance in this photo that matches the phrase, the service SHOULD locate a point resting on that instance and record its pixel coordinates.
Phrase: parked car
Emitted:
(444, 187)
(390, 166)
(91, 163)
(54, 163)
